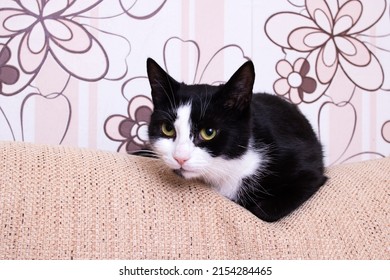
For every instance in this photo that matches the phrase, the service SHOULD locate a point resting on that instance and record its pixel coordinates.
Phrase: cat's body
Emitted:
(257, 150)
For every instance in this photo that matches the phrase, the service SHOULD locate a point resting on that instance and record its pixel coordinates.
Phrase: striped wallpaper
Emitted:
(73, 72)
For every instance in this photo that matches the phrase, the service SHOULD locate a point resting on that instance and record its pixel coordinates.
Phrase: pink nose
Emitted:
(180, 161)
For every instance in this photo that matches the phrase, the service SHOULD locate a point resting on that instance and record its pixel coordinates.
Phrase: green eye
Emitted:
(207, 134)
(167, 130)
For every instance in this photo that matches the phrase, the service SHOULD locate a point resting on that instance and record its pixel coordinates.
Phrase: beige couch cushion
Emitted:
(69, 203)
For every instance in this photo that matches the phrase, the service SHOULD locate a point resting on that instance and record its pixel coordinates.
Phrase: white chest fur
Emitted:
(226, 175)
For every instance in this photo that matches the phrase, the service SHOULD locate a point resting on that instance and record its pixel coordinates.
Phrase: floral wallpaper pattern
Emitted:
(72, 72)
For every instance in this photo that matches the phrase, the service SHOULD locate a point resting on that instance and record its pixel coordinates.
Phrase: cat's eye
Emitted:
(207, 134)
(167, 130)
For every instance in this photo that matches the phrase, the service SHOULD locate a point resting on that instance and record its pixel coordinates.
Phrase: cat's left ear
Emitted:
(239, 89)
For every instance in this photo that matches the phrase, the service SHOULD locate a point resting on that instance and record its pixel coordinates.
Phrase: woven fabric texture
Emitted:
(68, 203)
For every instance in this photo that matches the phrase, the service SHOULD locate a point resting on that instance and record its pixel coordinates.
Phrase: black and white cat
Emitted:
(255, 149)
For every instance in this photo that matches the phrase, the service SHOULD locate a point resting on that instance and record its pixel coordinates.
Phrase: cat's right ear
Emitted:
(163, 86)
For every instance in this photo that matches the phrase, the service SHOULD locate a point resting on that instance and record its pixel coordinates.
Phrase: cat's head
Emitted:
(196, 128)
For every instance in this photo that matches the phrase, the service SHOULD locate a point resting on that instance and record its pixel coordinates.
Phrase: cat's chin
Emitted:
(185, 173)
(178, 172)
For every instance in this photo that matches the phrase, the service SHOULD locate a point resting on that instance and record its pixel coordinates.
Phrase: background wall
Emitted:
(73, 72)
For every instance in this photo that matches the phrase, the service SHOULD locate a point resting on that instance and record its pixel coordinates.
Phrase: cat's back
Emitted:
(294, 168)
(272, 104)
(279, 118)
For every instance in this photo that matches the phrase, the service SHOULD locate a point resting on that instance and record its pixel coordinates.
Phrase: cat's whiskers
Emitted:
(204, 104)
(163, 168)
(201, 107)
(251, 185)
(152, 156)
(171, 96)
(145, 151)
(213, 172)
(210, 173)
(169, 115)
(249, 195)
(172, 93)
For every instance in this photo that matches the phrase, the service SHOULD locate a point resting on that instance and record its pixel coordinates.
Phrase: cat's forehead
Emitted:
(198, 99)
(194, 92)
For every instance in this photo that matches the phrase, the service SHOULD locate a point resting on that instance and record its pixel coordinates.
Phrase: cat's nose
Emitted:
(180, 161)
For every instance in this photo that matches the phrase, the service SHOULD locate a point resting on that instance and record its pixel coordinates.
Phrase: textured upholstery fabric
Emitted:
(68, 203)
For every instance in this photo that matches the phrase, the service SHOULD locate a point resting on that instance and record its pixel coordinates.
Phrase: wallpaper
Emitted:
(73, 72)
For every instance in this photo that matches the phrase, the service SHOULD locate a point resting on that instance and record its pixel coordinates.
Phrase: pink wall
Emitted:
(73, 72)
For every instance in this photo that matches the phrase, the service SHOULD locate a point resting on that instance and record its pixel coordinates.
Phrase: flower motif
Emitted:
(294, 80)
(144, 9)
(386, 131)
(198, 69)
(8, 74)
(131, 130)
(330, 34)
(40, 27)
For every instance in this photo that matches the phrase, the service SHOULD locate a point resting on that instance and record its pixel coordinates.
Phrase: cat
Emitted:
(257, 150)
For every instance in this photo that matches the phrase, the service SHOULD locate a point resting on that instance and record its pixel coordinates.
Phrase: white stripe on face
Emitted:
(183, 141)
